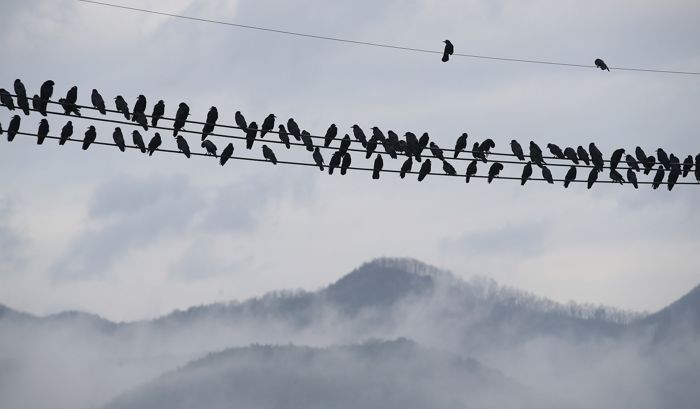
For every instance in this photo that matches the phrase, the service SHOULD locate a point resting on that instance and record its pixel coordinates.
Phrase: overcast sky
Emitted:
(129, 237)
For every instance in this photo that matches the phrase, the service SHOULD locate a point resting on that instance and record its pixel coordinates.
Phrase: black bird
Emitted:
(139, 108)
(371, 147)
(6, 99)
(592, 177)
(240, 121)
(461, 144)
(250, 133)
(641, 156)
(226, 154)
(90, 136)
(477, 153)
(138, 141)
(391, 144)
(471, 170)
(658, 177)
(182, 145)
(494, 170)
(69, 108)
(424, 170)
(672, 178)
(45, 93)
(318, 158)
(570, 176)
(697, 167)
(406, 167)
(183, 111)
(43, 131)
(269, 155)
(37, 104)
(583, 155)
(687, 165)
(547, 175)
(615, 158)
(423, 142)
(359, 135)
(436, 151)
(486, 146)
(119, 139)
(596, 157)
(527, 172)
(154, 144)
(570, 154)
(122, 106)
(448, 169)
(72, 95)
(267, 125)
(66, 132)
(21, 95)
(347, 160)
(663, 158)
(378, 135)
(308, 142)
(331, 133)
(449, 50)
(98, 102)
(335, 161)
(675, 163)
(632, 178)
(378, 165)
(556, 151)
(649, 164)
(13, 127)
(601, 64)
(158, 112)
(517, 149)
(209, 146)
(402, 147)
(344, 145)
(536, 154)
(140, 118)
(616, 177)
(293, 129)
(412, 145)
(284, 137)
(631, 163)
(212, 117)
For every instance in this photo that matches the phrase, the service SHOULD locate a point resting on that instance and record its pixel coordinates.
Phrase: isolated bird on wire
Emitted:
(344, 144)
(267, 125)
(583, 155)
(632, 178)
(250, 134)
(527, 172)
(547, 175)
(616, 176)
(448, 51)
(240, 121)
(21, 95)
(461, 144)
(596, 157)
(359, 135)
(615, 158)
(269, 155)
(471, 170)
(571, 155)
(570, 176)
(293, 129)
(43, 131)
(183, 111)
(226, 154)
(183, 146)
(45, 93)
(90, 136)
(556, 151)
(318, 158)
(592, 177)
(334, 163)
(536, 154)
(448, 168)
(494, 170)
(345, 165)
(331, 133)
(307, 141)
(601, 64)
(658, 177)
(631, 162)
(424, 170)
(119, 138)
(158, 112)
(154, 144)
(687, 165)
(138, 141)
(212, 117)
(517, 150)
(139, 109)
(122, 106)
(66, 132)
(406, 167)
(98, 102)
(13, 127)
(378, 165)
(6, 99)
(283, 135)
(209, 147)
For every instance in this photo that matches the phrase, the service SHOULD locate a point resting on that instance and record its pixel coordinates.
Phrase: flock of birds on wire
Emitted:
(411, 147)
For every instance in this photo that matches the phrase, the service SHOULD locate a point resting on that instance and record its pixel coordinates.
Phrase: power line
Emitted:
(375, 44)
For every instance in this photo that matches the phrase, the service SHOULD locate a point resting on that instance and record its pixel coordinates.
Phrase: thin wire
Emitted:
(374, 44)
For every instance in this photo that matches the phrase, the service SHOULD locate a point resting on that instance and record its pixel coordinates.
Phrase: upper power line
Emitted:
(382, 45)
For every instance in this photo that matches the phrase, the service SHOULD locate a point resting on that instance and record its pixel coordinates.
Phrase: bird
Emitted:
(140, 118)
(269, 155)
(98, 102)
(477, 153)
(697, 167)
(583, 155)
(226, 154)
(139, 108)
(45, 94)
(378, 165)
(527, 172)
(344, 144)
(21, 95)
(601, 64)
(436, 151)
(641, 156)
(471, 170)
(658, 177)
(212, 117)
(378, 135)
(37, 104)
(616, 177)
(461, 144)
(183, 111)
(406, 167)
(424, 170)
(308, 142)
(494, 170)
(267, 125)
(240, 121)
(422, 144)
(412, 145)
(556, 151)
(182, 145)
(138, 141)
(570, 176)
(345, 165)
(250, 133)
(158, 112)
(6, 99)
(13, 127)
(592, 177)
(391, 144)
(517, 150)
(154, 144)
(596, 157)
(66, 132)
(330, 135)
(72, 95)
(675, 163)
(284, 137)
(536, 154)
(293, 129)
(570, 154)
(371, 147)
(687, 165)
(486, 146)
(119, 138)
(615, 158)
(43, 131)
(318, 158)
(672, 178)
(663, 158)
(448, 51)
(69, 108)
(448, 168)
(90, 136)
(336, 158)
(632, 178)
(209, 147)
(359, 135)
(122, 106)
(547, 175)
(631, 162)
(649, 164)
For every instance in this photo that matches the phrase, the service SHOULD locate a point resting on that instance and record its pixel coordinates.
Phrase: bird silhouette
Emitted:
(212, 117)
(649, 164)
(632, 163)
(90, 136)
(45, 93)
(486, 146)
(345, 165)
(378, 165)
(66, 132)
(632, 178)
(556, 151)
(140, 118)
(570, 176)
(461, 144)
(615, 158)
(118, 137)
(43, 131)
(209, 147)
(527, 172)
(72, 99)
(158, 112)
(269, 155)
(616, 177)
(658, 177)
(663, 158)
(13, 127)
(331, 133)
(226, 154)
(122, 106)
(448, 51)
(412, 145)
(596, 157)
(672, 178)
(601, 64)
(547, 175)
(139, 108)
(422, 144)
(98, 102)
(318, 158)
(267, 125)
(334, 163)
(477, 153)
(675, 163)
(570, 154)
(250, 133)
(378, 135)
(641, 156)
(494, 170)
(138, 141)
(687, 165)
(69, 108)
(471, 170)
(592, 177)
(406, 167)
(183, 111)
(536, 154)
(517, 150)
(21, 95)
(154, 144)
(697, 167)
(424, 170)
(182, 145)
(583, 155)
(293, 129)
(284, 137)
(308, 142)
(344, 144)
(448, 168)
(436, 151)
(240, 121)
(391, 144)
(371, 147)
(37, 104)
(359, 135)
(6, 99)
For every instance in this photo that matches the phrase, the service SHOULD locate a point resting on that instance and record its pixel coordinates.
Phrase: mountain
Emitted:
(681, 317)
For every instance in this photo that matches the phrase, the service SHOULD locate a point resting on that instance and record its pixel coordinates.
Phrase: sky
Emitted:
(129, 236)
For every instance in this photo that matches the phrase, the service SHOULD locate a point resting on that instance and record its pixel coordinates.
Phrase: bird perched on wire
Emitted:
(556, 151)
(570, 176)
(616, 176)
(154, 144)
(13, 127)
(345, 165)
(45, 94)
(344, 144)
(118, 137)
(267, 125)
(158, 112)
(687, 165)
(122, 106)
(527, 172)
(406, 167)
(307, 141)
(90, 136)
(183, 146)
(494, 170)
(536, 154)
(583, 155)
(649, 164)
(139, 109)
(334, 163)
(359, 135)
(331, 133)
(547, 175)
(461, 144)
(517, 149)
(37, 104)
(631, 163)
(283, 135)
(212, 117)
(641, 156)
(378, 165)
(43, 131)
(663, 158)
(240, 121)
(697, 167)
(615, 158)
(318, 158)
(448, 51)
(293, 129)
(226, 154)
(391, 144)
(371, 147)
(269, 155)
(471, 170)
(570, 154)
(448, 168)
(599, 63)
(250, 133)
(592, 177)
(98, 102)
(21, 95)
(672, 177)
(658, 177)
(6, 99)
(412, 146)
(183, 111)
(632, 178)
(209, 147)
(138, 141)
(596, 157)
(424, 170)
(436, 151)
(66, 132)
(486, 146)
